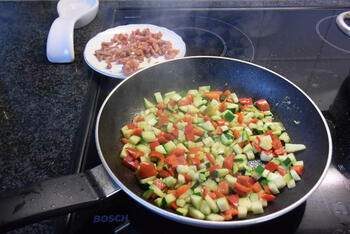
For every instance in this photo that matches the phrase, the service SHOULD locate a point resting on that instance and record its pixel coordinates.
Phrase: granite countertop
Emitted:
(42, 104)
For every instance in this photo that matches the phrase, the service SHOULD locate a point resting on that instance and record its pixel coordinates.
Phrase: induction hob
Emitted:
(303, 45)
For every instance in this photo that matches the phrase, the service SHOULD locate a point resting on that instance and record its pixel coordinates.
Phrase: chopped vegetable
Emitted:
(191, 152)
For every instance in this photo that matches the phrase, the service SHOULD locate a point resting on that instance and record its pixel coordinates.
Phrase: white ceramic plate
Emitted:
(116, 70)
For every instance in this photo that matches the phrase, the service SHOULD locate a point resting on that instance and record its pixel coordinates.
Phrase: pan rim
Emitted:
(206, 223)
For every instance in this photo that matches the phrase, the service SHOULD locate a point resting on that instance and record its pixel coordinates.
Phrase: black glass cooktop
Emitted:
(306, 47)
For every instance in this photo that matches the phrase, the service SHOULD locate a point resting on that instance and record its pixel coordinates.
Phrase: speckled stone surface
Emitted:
(41, 104)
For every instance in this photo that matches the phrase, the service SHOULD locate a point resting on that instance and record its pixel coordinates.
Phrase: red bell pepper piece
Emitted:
(124, 140)
(157, 155)
(213, 95)
(246, 101)
(130, 162)
(271, 166)
(228, 162)
(134, 153)
(233, 200)
(224, 187)
(147, 169)
(227, 92)
(241, 190)
(179, 151)
(281, 171)
(162, 120)
(267, 197)
(263, 105)
(218, 194)
(240, 117)
(222, 107)
(256, 187)
(153, 145)
(210, 158)
(137, 131)
(298, 169)
(245, 180)
(182, 189)
(160, 184)
(236, 134)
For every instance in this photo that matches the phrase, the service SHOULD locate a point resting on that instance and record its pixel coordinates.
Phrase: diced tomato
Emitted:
(271, 166)
(162, 139)
(131, 126)
(222, 107)
(210, 158)
(160, 184)
(246, 101)
(174, 206)
(179, 151)
(227, 92)
(263, 105)
(218, 194)
(124, 140)
(153, 145)
(233, 200)
(224, 187)
(257, 187)
(267, 189)
(162, 120)
(171, 161)
(183, 102)
(236, 134)
(281, 171)
(134, 153)
(298, 169)
(228, 162)
(130, 162)
(240, 117)
(137, 131)
(168, 136)
(242, 144)
(257, 144)
(267, 197)
(171, 191)
(163, 173)
(213, 95)
(245, 180)
(189, 132)
(241, 190)
(182, 189)
(220, 122)
(198, 132)
(228, 100)
(161, 106)
(147, 169)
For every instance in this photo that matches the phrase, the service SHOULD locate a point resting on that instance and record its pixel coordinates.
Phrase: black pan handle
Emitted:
(55, 197)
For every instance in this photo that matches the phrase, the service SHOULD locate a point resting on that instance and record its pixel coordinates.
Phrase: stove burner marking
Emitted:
(213, 33)
(324, 39)
(239, 30)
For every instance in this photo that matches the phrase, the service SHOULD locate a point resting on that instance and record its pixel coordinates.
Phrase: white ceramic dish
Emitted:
(116, 70)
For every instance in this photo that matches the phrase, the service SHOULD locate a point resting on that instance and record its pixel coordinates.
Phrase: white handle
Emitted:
(59, 47)
(341, 22)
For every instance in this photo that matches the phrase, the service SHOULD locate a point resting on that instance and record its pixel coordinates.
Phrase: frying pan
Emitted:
(288, 103)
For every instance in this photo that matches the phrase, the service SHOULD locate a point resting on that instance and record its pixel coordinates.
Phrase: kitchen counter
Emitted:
(42, 104)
